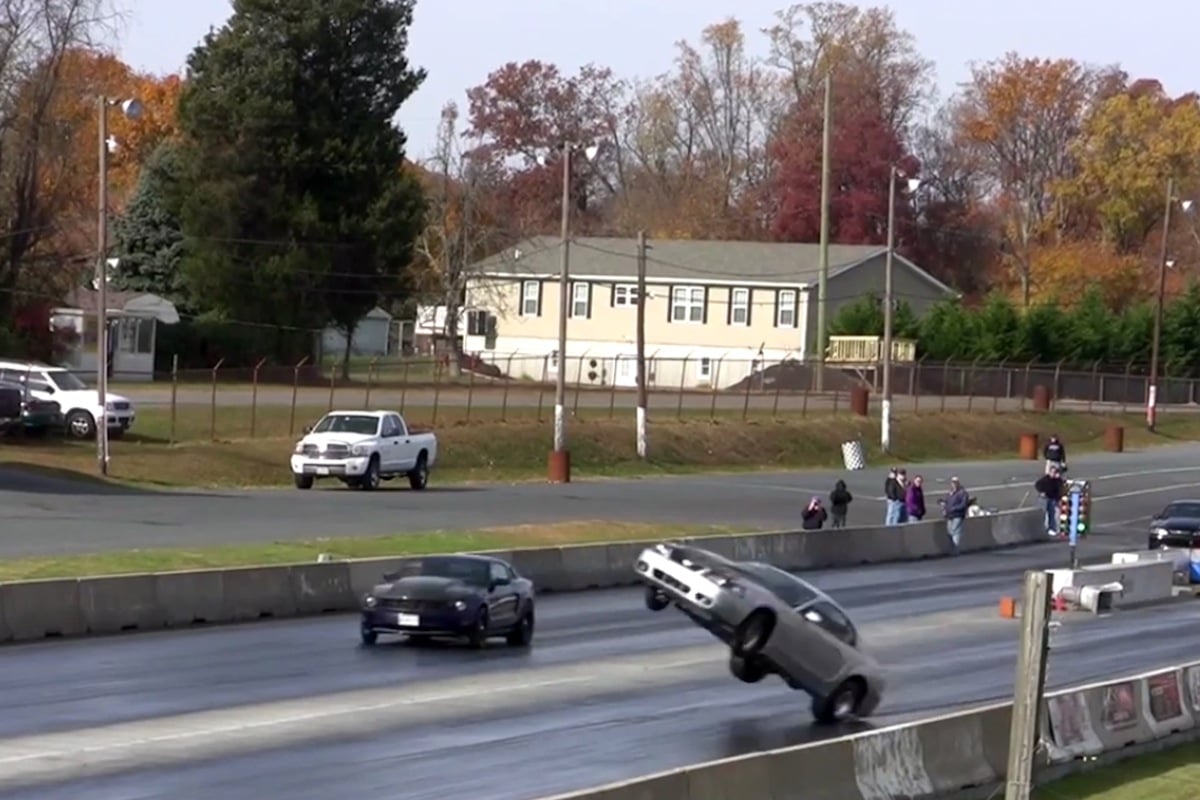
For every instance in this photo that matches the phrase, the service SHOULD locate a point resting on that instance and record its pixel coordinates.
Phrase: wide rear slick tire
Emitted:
(656, 600)
(841, 704)
(747, 670)
(752, 635)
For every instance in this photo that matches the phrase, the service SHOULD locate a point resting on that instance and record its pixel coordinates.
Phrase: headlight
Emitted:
(369, 601)
(299, 448)
(109, 406)
(460, 605)
(358, 450)
(1160, 532)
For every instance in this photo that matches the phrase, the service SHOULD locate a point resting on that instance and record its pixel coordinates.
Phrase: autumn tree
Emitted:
(1064, 272)
(460, 225)
(148, 239)
(297, 208)
(1020, 116)
(1128, 147)
(695, 140)
(524, 113)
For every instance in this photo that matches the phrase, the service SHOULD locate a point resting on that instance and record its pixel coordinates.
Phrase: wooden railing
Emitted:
(868, 350)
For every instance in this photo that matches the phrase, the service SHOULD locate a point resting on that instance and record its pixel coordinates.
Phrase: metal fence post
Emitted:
(971, 384)
(746, 397)
(470, 392)
(1025, 388)
(916, 384)
(778, 384)
(507, 382)
(372, 365)
(254, 395)
(174, 395)
(212, 417)
(562, 363)
(437, 391)
(682, 378)
(404, 386)
(333, 370)
(1125, 390)
(1057, 384)
(712, 408)
(612, 383)
(295, 389)
(996, 394)
(945, 383)
(1097, 386)
(542, 385)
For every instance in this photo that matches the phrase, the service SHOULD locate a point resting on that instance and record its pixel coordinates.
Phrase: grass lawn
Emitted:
(1170, 775)
(487, 450)
(242, 555)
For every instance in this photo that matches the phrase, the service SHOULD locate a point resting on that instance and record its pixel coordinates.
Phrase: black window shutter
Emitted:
(775, 321)
(589, 302)
(704, 311)
(749, 304)
(670, 301)
(729, 308)
(539, 296)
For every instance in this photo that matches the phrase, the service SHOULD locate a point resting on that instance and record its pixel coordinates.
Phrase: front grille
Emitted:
(121, 406)
(672, 582)
(413, 606)
(337, 451)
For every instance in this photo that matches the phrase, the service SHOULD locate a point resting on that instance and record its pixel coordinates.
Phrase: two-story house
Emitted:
(716, 311)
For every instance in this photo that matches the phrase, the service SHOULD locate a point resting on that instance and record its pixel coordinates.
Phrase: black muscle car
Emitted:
(467, 596)
(1177, 525)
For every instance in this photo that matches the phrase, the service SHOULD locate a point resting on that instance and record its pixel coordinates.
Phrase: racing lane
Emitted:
(50, 516)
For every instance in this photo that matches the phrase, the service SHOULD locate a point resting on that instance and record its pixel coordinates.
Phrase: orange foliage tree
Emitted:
(1062, 273)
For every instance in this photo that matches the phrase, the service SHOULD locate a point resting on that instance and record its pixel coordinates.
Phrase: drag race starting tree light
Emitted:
(1075, 510)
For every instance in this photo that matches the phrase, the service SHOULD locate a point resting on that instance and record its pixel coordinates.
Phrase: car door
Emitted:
(826, 633)
(405, 452)
(502, 596)
(389, 446)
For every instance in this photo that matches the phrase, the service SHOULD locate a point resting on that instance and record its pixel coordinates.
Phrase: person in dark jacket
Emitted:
(893, 493)
(1055, 453)
(814, 515)
(1050, 487)
(955, 507)
(914, 499)
(839, 502)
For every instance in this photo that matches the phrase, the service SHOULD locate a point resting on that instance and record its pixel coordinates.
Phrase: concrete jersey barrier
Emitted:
(962, 755)
(148, 601)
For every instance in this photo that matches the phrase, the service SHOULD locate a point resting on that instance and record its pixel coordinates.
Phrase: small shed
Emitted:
(370, 336)
(133, 320)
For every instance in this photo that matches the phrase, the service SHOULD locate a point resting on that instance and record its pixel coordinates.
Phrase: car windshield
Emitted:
(66, 381)
(784, 585)
(472, 571)
(347, 423)
(1185, 510)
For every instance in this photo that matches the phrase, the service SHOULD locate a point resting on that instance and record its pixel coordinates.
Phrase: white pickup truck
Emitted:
(362, 448)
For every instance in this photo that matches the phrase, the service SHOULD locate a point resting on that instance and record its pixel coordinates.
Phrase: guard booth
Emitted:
(1075, 510)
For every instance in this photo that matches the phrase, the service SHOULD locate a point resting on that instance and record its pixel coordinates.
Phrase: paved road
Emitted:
(52, 516)
(523, 397)
(603, 695)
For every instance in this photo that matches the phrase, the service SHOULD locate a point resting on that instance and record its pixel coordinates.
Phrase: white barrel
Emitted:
(853, 455)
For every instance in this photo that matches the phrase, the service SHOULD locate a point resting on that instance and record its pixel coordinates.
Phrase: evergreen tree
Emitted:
(148, 241)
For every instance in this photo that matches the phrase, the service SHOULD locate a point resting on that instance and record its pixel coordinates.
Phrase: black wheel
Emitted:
(369, 637)
(81, 425)
(478, 636)
(754, 632)
(522, 635)
(418, 478)
(303, 481)
(369, 482)
(842, 703)
(656, 600)
(747, 670)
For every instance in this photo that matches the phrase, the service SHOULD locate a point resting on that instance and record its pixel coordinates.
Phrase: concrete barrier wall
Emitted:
(95, 605)
(1142, 582)
(963, 755)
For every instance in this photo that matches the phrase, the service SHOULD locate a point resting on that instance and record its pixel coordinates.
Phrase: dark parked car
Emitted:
(1177, 525)
(18, 407)
(474, 597)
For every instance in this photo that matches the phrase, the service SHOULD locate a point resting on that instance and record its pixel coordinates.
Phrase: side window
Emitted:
(388, 428)
(512, 574)
(832, 620)
(499, 572)
(37, 382)
(398, 424)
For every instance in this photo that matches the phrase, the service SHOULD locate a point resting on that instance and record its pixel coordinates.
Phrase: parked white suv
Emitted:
(80, 403)
(362, 448)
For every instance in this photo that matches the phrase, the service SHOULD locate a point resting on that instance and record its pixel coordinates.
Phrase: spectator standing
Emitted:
(914, 499)
(1050, 487)
(956, 504)
(839, 503)
(814, 515)
(894, 497)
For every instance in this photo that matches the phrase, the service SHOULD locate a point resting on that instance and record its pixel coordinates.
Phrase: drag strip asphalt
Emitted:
(52, 516)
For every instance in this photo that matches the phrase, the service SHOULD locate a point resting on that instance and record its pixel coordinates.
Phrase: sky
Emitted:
(460, 41)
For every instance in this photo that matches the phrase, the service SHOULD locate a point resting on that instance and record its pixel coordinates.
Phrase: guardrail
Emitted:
(962, 755)
(147, 601)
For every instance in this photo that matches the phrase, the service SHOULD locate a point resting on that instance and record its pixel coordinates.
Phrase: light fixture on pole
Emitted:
(560, 458)
(132, 109)
(885, 423)
(1152, 391)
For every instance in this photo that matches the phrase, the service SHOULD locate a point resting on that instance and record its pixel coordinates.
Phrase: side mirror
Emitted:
(308, 429)
(497, 583)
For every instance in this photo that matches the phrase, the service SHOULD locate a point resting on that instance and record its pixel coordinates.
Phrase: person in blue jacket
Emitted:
(955, 507)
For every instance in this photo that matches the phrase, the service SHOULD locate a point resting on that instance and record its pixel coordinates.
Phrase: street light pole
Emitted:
(823, 273)
(102, 292)
(560, 458)
(885, 424)
(1152, 393)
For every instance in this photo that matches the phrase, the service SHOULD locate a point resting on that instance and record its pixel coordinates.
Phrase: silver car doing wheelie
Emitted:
(773, 622)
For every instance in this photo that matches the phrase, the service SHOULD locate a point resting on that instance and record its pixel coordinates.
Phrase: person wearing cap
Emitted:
(955, 506)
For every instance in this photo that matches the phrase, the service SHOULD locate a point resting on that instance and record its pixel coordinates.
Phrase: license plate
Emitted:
(408, 620)
(322, 470)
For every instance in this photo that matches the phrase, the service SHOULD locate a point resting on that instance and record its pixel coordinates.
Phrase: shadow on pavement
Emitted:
(39, 479)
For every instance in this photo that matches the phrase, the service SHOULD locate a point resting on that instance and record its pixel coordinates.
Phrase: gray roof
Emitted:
(768, 262)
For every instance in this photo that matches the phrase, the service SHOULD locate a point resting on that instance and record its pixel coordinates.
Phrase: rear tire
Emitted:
(747, 670)
(303, 481)
(842, 703)
(656, 600)
(522, 635)
(418, 478)
(752, 635)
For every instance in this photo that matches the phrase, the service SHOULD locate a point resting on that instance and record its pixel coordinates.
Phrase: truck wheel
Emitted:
(370, 479)
(303, 481)
(81, 424)
(842, 703)
(418, 478)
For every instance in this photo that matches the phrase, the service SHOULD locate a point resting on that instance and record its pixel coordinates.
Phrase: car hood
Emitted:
(424, 587)
(88, 396)
(1177, 523)
(323, 439)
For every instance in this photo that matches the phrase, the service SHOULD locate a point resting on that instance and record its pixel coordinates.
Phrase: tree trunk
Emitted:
(450, 330)
(345, 367)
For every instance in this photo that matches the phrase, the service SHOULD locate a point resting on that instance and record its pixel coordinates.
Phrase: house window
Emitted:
(687, 304)
(531, 298)
(625, 295)
(581, 300)
(785, 309)
(739, 307)
(706, 369)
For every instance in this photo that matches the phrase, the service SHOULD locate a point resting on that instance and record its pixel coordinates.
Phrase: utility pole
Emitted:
(1029, 685)
(560, 458)
(641, 344)
(823, 279)
(885, 422)
(1152, 394)
(102, 291)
